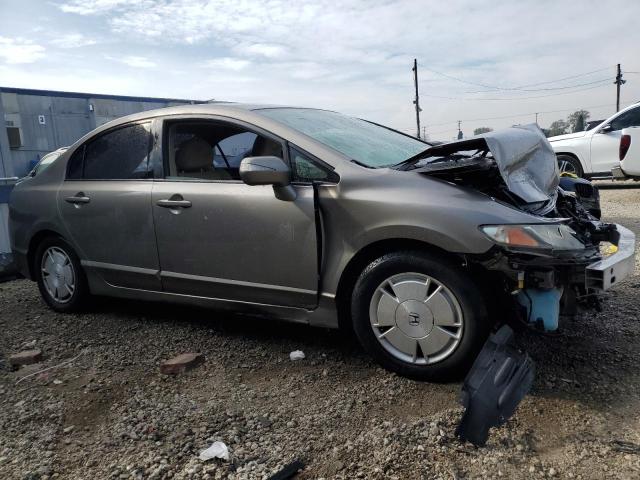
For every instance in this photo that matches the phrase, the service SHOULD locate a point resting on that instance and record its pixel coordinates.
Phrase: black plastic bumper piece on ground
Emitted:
(498, 380)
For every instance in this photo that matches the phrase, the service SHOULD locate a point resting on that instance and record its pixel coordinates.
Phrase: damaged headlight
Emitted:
(551, 236)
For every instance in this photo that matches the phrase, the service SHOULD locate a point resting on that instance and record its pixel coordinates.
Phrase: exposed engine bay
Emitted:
(543, 270)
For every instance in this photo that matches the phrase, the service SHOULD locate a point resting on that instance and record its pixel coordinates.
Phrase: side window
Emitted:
(117, 155)
(211, 151)
(630, 118)
(74, 167)
(230, 151)
(306, 169)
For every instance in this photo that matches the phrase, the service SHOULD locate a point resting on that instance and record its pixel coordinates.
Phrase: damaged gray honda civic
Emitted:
(315, 217)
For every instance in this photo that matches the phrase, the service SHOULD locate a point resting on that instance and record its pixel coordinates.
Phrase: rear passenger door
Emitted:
(105, 205)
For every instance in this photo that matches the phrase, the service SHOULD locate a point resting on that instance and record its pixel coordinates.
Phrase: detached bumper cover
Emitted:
(611, 270)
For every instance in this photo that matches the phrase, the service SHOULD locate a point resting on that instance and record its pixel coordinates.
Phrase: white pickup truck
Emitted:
(595, 152)
(629, 155)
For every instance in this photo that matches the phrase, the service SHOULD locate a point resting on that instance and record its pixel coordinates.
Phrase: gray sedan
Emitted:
(315, 217)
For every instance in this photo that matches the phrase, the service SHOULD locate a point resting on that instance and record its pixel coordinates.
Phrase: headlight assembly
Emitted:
(549, 236)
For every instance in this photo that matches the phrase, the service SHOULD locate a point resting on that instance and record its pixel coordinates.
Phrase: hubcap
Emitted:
(416, 318)
(58, 275)
(566, 167)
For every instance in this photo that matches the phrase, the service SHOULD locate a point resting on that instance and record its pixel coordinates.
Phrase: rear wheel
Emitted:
(569, 164)
(419, 316)
(60, 277)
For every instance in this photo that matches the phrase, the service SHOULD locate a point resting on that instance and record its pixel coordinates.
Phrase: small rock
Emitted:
(26, 357)
(181, 363)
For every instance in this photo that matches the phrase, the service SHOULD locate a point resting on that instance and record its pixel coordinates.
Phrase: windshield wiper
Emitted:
(409, 162)
(361, 164)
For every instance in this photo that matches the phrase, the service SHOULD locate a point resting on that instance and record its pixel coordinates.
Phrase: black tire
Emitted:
(78, 299)
(572, 162)
(475, 329)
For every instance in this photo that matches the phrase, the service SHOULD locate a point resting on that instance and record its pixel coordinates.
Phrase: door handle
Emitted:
(78, 198)
(168, 203)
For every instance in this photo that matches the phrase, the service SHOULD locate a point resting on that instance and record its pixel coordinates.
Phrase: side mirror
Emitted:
(268, 170)
(606, 128)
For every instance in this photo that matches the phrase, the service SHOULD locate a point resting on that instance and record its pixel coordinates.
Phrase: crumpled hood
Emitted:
(524, 158)
(526, 162)
(567, 136)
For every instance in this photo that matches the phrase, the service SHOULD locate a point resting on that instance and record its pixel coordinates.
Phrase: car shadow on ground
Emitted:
(578, 364)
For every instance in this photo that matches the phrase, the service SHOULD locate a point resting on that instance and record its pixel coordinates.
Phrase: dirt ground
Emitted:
(111, 414)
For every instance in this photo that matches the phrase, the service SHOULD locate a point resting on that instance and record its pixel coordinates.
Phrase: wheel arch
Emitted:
(366, 255)
(36, 240)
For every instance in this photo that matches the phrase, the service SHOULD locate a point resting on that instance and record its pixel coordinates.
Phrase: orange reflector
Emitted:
(517, 236)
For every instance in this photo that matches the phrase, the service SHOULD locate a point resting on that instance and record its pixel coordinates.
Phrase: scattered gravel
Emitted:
(111, 414)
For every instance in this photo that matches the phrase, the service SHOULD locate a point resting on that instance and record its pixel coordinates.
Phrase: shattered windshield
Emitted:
(367, 143)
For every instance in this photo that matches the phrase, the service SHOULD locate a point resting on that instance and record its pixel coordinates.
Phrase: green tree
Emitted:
(480, 130)
(559, 127)
(577, 120)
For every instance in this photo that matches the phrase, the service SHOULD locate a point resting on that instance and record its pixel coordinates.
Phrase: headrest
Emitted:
(263, 147)
(194, 155)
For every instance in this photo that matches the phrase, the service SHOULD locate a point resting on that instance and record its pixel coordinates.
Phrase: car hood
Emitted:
(522, 156)
(567, 136)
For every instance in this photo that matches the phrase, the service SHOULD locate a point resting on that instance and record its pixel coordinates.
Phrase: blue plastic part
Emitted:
(542, 306)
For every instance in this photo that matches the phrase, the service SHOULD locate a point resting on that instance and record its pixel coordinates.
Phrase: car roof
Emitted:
(212, 108)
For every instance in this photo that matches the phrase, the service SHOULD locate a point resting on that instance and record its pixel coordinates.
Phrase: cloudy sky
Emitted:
(486, 63)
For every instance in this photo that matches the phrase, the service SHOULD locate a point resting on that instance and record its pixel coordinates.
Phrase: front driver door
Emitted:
(220, 238)
(605, 145)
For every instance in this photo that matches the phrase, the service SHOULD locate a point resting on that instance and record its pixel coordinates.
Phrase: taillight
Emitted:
(625, 143)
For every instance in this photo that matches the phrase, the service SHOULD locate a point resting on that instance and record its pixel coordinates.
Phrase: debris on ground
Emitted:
(216, 450)
(26, 357)
(494, 387)
(288, 471)
(296, 355)
(181, 363)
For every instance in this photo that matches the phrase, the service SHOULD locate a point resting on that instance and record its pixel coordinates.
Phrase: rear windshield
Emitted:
(368, 143)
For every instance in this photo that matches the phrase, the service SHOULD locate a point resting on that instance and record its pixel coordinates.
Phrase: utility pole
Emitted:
(536, 118)
(619, 82)
(417, 100)
(424, 132)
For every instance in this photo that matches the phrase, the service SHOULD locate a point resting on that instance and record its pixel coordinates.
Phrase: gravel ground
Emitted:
(111, 414)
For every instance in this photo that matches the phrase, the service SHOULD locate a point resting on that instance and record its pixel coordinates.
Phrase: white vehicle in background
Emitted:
(595, 152)
(629, 155)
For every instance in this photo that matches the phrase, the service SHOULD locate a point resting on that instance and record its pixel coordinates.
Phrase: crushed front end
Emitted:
(543, 269)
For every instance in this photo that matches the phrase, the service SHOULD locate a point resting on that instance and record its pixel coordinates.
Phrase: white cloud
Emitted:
(72, 40)
(268, 50)
(20, 50)
(356, 55)
(133, 61)
(227, 63)
(90, 7)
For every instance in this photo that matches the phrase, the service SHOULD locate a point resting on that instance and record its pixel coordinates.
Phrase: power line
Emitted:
(494, 87)
(545, 89)
(518, 98)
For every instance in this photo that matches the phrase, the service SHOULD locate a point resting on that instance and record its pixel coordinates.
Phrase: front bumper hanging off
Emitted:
(609, 271)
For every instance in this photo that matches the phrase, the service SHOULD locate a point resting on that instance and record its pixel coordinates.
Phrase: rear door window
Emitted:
(120, 154)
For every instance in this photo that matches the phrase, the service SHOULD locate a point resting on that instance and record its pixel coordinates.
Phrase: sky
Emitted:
(486, 63)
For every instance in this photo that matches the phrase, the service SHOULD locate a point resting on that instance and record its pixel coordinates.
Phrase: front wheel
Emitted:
(60, 277)
(570, 165)
(419, 316)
